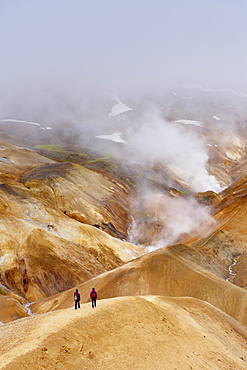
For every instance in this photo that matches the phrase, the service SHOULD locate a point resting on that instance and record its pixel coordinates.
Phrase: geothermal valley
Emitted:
(145, 200)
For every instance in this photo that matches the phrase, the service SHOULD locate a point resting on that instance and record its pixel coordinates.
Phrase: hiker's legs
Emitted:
(93, 302)
(78, 304)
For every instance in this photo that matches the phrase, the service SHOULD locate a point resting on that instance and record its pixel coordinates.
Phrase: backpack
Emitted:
(76, 297)
(93, 294)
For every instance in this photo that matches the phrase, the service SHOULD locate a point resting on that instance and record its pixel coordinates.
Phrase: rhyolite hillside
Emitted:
(169, 263)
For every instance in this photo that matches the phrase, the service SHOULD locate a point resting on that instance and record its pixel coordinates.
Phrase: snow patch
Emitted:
(27, 122)
(114, 137)
(190, 122)
(216, 118)
(118, 108)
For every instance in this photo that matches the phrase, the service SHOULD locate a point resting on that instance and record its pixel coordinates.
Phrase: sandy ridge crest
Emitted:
(127, 332)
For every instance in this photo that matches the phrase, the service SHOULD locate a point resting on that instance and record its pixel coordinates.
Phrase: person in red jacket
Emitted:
(93, 296)
(77, 299)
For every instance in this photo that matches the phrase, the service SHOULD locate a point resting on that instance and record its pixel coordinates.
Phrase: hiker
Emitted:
(93, 296)
(77, 299)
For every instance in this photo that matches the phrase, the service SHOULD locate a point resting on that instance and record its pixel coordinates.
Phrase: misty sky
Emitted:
(122, 44)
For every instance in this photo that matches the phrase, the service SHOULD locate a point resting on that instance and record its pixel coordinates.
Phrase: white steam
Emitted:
(160, 220)
(169, 218)
(181, 150)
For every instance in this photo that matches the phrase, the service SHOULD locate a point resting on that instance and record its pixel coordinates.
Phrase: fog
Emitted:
(58, 57)
(58, 53)
(69, 62)
(121, 46)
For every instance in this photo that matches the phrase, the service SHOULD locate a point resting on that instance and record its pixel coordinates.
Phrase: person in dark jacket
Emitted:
(77, 299)
(93, 296)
